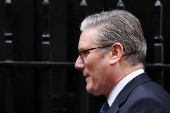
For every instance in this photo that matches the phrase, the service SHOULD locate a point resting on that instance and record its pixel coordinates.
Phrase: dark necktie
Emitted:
(105, 107)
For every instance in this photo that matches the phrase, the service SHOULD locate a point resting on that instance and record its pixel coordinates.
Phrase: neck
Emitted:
(120, 72)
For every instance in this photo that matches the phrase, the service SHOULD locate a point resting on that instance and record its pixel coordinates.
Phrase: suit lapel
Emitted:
(123, 95)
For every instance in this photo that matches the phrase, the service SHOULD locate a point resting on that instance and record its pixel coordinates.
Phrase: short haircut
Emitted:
(118, 26)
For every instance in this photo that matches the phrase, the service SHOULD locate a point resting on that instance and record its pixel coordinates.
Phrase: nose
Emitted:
(79, 64)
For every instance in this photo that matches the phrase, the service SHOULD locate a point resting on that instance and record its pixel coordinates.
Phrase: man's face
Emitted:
(94, 67)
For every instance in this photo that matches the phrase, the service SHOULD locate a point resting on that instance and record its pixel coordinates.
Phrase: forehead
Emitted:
(86, 40)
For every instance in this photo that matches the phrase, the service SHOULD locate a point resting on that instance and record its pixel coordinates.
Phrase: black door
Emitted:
(38, 48)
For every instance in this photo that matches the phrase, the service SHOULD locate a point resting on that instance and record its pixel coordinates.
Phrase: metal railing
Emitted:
(50, 64)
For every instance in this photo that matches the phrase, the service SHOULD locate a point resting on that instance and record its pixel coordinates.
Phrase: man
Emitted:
(112, 57)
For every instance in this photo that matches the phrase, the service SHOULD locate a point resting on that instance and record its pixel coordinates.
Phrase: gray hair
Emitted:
(122, 27)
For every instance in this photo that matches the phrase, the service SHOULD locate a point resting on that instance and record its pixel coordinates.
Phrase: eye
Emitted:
(85, 53)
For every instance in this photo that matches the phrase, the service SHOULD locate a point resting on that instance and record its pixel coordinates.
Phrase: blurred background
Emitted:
(38, 49)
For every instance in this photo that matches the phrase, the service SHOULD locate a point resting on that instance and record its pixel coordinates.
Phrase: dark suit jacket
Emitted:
(141, 95)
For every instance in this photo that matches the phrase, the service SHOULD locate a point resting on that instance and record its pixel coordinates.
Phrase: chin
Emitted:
(92, 91)
(89, 89)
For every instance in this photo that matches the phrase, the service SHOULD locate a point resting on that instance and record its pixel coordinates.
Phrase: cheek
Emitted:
(92, 63)
(96, 67)
(96, 77)
(97, 72)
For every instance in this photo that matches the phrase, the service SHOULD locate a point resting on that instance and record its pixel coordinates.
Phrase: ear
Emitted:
(116, 53)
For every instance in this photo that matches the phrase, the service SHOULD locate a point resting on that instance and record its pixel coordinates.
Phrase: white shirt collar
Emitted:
(116, 90)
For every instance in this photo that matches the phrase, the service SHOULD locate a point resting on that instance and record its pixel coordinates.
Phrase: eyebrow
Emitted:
(81, 48)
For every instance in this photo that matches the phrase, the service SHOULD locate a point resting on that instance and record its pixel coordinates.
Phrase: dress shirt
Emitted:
(116, 90)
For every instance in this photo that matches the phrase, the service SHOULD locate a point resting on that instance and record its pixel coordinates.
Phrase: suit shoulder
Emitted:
(149, 95)
(150, 90)
(145, 105)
